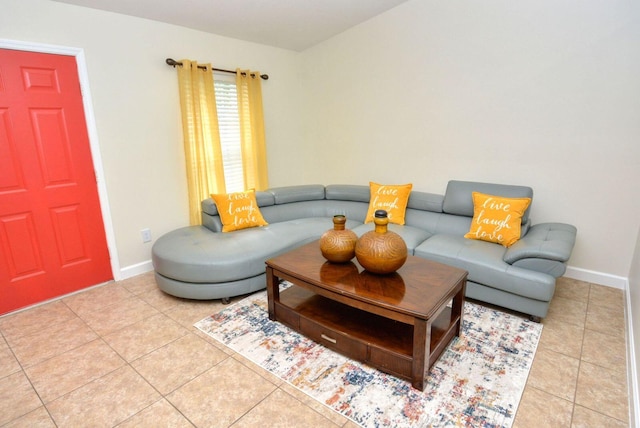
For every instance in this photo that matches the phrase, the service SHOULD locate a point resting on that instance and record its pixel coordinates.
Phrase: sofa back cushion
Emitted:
(458, 198)
(355, 211)
(305, 192)
(425, 201)
(348, 192)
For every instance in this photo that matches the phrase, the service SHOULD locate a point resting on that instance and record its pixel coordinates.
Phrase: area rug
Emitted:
(477, 382)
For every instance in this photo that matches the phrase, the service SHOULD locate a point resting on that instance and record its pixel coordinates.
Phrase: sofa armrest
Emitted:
(551, 241)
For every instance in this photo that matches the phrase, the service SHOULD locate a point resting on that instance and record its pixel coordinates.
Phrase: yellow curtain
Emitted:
(205, 171)
(254, 153)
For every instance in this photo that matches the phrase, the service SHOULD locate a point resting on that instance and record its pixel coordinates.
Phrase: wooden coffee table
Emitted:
(399, 323)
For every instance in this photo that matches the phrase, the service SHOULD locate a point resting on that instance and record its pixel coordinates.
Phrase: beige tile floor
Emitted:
(125, 354)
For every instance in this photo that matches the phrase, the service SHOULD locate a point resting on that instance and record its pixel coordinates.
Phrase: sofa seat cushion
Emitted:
(198, 255)
(484, 262)
(412, 235)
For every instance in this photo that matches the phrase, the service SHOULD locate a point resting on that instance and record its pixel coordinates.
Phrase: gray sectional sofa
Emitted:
(201, 262)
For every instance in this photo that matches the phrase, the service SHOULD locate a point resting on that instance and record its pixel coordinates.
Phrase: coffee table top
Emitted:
(418, 288)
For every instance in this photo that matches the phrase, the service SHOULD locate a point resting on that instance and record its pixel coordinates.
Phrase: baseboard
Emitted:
(595, 277)
(137, 269)
(632, 366)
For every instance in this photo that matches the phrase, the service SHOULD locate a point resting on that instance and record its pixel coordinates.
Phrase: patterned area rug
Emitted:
(478, 381)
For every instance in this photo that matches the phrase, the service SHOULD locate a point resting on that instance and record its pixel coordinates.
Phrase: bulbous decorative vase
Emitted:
(381, 251)
(338, 245)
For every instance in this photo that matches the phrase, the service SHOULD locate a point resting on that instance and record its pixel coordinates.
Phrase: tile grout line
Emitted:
(584, 329)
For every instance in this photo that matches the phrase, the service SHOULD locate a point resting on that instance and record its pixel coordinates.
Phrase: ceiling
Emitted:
(288, 24)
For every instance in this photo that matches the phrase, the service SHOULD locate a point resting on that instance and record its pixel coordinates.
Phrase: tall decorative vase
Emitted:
(338, 245)
(380, 250)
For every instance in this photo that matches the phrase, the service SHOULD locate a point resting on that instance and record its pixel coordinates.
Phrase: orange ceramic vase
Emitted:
(381, 251)
(338, 245)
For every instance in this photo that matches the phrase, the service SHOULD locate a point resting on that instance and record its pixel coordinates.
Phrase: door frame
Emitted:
(92, 130)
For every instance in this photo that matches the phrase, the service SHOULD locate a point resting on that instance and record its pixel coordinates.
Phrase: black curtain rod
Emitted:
(173, 63)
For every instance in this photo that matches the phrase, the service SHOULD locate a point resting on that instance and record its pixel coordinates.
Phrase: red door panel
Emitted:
(51, 230)
(21, 249)
(10, 171)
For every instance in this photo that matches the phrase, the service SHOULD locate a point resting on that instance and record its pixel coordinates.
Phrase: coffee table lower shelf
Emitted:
(383, 343)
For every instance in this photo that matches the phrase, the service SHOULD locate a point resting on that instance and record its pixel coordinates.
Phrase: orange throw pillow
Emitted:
(238, 210)
(497, 219)
(392, 198)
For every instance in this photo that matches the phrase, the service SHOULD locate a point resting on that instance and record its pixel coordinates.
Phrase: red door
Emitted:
(52, 238)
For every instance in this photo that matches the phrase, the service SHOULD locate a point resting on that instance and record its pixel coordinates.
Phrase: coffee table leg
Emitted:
(457, 307)
(421, 353)
(273, 292)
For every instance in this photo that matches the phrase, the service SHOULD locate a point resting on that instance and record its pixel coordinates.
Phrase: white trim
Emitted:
(92, 130)
(37, 47)
(137, 269)
(600, 278)
(632, 365)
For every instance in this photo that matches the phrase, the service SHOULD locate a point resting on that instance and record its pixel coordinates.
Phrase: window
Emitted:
(229, 124)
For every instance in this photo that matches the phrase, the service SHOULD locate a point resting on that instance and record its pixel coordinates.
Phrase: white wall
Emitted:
(135, 99)
(540, 93)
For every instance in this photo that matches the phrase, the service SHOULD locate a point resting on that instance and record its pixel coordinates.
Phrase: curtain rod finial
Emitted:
(172, 62)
